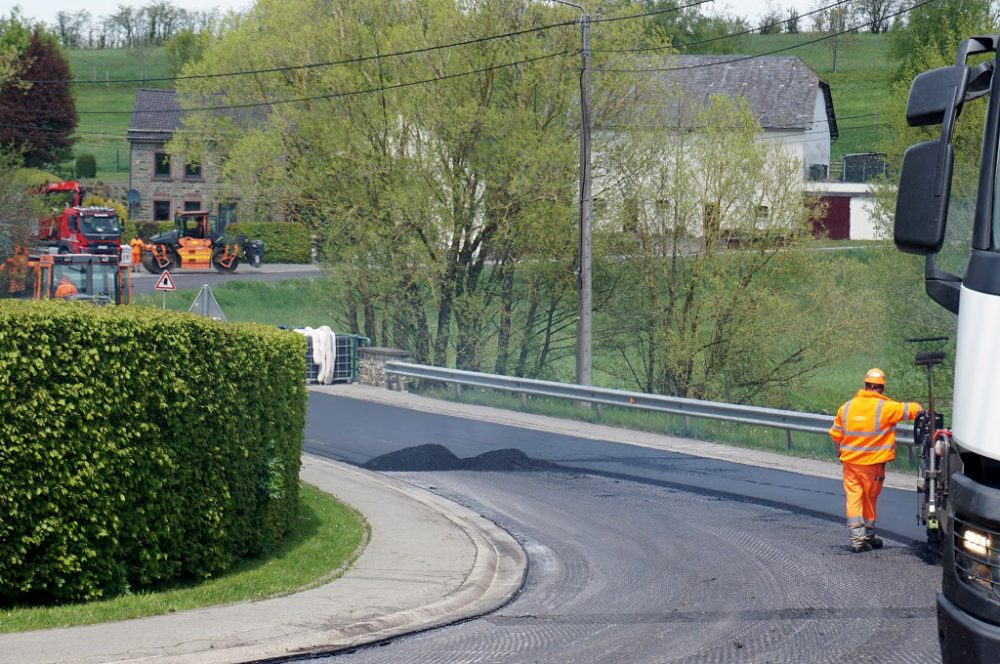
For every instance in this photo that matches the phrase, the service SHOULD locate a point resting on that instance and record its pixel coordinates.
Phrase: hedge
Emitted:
(284, 241)
(144, 229)
(140, 446)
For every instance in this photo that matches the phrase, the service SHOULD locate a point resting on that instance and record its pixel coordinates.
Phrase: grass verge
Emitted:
(324, 541)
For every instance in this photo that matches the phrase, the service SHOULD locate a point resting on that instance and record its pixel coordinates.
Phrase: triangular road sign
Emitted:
(165, 283)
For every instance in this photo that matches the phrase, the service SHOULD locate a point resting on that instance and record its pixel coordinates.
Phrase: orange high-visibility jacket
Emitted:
(865, 428)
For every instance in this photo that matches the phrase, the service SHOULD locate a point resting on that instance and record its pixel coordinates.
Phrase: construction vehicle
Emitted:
(72, 228)
(97, 278)
(195, 244)
(969, 602)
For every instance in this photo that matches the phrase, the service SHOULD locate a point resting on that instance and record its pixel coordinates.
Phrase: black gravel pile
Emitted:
(431, 457)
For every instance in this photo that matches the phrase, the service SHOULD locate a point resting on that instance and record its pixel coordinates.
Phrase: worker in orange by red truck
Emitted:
(865, 434)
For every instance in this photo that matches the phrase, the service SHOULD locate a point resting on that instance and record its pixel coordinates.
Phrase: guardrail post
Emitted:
(788, 438)
(524, 400)
(687, 426)
(597, 410)
(909, 454)
(458, 390)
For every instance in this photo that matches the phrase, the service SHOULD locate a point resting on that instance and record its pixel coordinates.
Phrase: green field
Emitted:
(861, 90)
(105, 109)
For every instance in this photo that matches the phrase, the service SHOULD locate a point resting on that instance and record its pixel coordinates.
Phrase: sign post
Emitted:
(165, 283)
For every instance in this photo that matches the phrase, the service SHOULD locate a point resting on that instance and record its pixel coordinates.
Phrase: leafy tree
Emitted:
(770, 23)
(934, 31)
(186, 46)
(691, 30)
(792, 22)
(86, 166)
(18, 212)
(39, 119)
(720, 298)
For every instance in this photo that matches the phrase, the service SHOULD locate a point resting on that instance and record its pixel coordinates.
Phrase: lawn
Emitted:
(105, 109)
(325, 539)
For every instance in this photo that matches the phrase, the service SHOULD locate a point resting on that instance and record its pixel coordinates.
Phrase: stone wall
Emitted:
(176, 189)
(371, 367)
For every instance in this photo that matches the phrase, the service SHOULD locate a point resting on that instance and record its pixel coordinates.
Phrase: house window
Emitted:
(161, 165)
(227, 214)
(192, 206)
(192, 171)
(161, 210)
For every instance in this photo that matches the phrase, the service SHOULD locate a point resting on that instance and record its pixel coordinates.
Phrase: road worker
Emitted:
(865, 434)
(65, 289)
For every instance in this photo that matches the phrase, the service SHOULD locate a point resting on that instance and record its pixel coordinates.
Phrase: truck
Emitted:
(968, 514)
(72, 228)
(96, 278)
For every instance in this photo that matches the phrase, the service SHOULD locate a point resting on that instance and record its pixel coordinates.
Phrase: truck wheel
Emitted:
(223, 261)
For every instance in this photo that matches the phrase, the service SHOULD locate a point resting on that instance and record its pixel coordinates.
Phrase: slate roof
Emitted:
(157, 114)
(781, 90)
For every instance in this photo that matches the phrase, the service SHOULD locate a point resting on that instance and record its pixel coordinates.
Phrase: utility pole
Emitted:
(584, 281)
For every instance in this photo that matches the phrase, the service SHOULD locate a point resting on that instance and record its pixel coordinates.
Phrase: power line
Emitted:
(312, 65)
(760, 55)
(655, 12)
(360, 59)
(332, 95)
(720, 37)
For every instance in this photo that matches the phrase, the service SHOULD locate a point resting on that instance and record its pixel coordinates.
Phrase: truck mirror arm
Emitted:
(942, 287)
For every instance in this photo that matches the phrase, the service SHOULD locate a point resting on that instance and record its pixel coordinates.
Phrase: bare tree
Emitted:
(875, 13)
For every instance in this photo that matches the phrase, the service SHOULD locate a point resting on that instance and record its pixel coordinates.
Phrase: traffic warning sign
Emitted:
(165, 283)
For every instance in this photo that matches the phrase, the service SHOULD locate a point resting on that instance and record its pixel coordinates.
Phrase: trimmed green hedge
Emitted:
(284, 241)
(140, 446)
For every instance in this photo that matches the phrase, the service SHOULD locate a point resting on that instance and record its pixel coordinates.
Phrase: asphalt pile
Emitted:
(434, 457)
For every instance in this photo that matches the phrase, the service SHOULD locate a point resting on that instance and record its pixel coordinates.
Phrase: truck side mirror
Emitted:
(922, 199)
(933, 95)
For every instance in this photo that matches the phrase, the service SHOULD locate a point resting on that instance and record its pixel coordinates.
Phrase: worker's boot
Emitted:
(860, 544)
(873, 542)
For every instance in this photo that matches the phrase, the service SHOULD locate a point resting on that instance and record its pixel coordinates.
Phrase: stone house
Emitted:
(161, 185)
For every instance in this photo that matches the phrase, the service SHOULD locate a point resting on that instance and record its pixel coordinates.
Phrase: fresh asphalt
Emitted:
(647, 555)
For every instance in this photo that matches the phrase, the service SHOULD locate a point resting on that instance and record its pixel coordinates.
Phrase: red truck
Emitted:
(74, 229)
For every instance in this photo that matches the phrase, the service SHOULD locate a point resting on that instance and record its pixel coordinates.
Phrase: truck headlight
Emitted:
(976, 542)
(977, 562)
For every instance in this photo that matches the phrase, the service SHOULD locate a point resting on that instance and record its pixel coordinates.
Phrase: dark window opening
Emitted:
(161, 165)
(192, 206)
(192, 171)
(161, 210)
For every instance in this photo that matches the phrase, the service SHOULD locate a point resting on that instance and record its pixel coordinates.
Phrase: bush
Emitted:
(284, 241)
(86, 166)
(100, 201)
(140, 446)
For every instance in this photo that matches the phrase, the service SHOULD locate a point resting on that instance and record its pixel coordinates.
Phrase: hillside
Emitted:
(105, 109)
(861, 88)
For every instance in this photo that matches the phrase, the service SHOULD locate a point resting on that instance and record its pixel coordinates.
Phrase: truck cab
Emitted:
(69, 227)
(969, 602)
(100, 279)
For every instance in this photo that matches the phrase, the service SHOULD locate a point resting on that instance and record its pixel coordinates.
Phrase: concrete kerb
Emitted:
(429, 563)
(812, 467)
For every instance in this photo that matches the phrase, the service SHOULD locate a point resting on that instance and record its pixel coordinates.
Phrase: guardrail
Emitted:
(787, 420)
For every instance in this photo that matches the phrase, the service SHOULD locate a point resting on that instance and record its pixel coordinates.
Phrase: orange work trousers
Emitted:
(862, 484)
